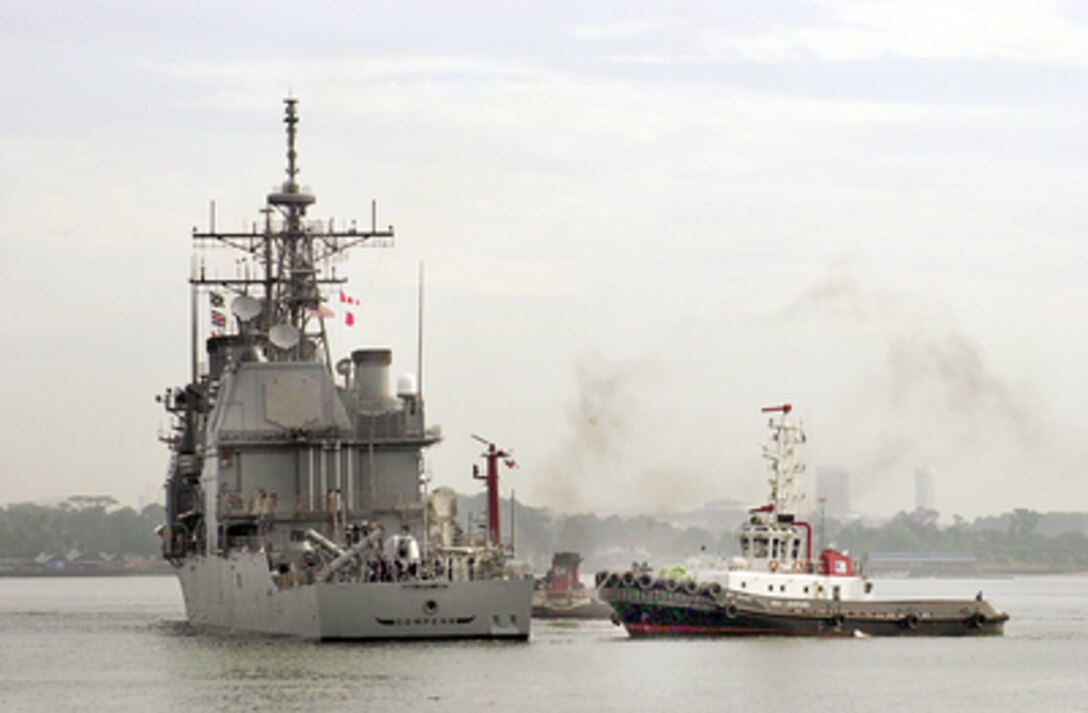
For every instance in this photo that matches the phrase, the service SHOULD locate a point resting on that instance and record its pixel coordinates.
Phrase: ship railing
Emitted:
(275, 435)
(436, 568)
(232, 504)
(380, 426)
(392, 425)
(392, 503)
(368, 563)
(268, 505)
(358, 504)
(252, 543)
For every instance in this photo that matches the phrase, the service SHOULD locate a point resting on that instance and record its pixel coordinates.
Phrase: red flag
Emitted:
(349, 319)
(346, 298)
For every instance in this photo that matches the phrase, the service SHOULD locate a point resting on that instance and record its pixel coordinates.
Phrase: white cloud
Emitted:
(1013, 30)
(625, 30)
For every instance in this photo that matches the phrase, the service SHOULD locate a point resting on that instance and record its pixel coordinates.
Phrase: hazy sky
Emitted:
(640, 221)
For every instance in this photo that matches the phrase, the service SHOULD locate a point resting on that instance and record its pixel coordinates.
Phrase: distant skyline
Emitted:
(640, 223)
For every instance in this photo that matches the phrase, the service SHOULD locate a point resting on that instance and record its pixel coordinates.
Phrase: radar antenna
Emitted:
(291, 253)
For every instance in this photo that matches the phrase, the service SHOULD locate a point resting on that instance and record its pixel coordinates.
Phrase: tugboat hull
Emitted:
(662, 613)
(775, 587)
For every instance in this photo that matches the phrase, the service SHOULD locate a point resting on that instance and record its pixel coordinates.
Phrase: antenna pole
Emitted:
(823, 524)
(194, 336)
(419, 336)
(513, 522)
(291, 120)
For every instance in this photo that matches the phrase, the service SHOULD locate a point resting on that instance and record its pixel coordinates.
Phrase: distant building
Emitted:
(925, 497)
(833, 491)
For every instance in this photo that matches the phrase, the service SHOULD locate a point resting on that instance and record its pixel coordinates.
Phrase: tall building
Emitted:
(832, 491)
(924, 495)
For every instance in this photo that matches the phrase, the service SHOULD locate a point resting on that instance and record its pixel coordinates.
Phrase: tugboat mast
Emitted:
(785, 464)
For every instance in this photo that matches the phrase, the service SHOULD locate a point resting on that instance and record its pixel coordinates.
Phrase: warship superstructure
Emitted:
(296, 502)
(775, 586)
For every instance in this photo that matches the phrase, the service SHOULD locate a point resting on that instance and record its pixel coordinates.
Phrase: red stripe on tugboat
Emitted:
(639, 629)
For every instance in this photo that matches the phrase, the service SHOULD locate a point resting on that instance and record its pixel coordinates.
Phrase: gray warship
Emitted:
(296, 501)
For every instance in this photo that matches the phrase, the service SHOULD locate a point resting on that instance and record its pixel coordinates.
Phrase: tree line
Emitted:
(88, 524)
(1018, 541)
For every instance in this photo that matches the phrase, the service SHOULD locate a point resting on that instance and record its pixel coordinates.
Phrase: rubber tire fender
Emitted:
(713, 590)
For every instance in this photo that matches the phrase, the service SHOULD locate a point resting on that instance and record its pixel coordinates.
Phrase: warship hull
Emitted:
(236, 593)
(661, 613)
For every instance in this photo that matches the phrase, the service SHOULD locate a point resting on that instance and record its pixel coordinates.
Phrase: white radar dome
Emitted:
(406, 385)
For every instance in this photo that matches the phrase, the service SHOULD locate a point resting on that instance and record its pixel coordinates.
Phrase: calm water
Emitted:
(121, 644)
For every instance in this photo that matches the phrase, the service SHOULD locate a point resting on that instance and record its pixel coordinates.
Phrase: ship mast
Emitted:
(492, 455)
(292, 253)
(295, 296)
(784, 461)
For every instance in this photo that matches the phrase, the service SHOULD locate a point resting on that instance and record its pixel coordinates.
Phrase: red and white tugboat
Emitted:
(775, 586)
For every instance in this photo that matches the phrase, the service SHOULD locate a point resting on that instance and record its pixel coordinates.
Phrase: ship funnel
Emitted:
(372, 373)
